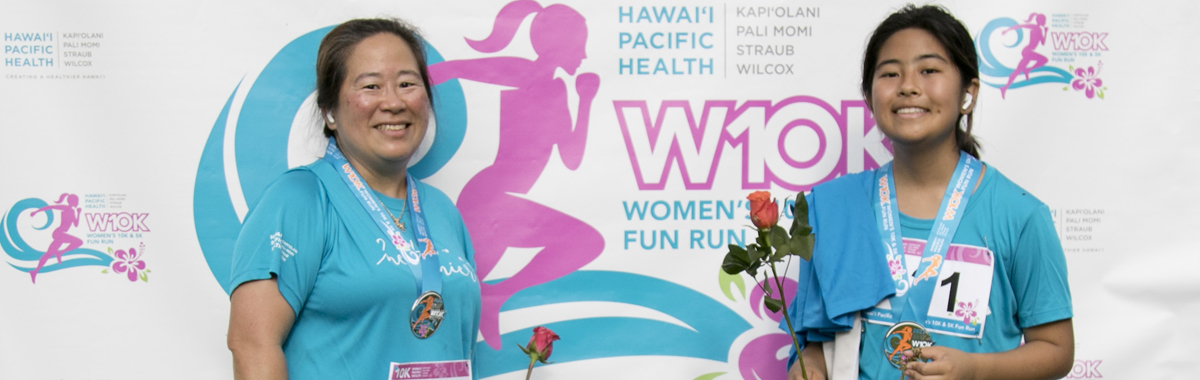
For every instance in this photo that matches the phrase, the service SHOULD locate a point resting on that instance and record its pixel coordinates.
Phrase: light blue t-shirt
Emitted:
(1029, 281)
(352, 300)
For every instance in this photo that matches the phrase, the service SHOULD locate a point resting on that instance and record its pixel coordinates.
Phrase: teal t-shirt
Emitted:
(352, 300)
(1029, 277)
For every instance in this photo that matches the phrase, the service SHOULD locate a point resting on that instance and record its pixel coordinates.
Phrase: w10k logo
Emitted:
(1085, 369)
(119, 236)
(1013, 54)
(794, 143)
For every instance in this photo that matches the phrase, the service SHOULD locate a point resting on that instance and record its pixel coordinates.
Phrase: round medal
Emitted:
(904, 336)
(427, 314)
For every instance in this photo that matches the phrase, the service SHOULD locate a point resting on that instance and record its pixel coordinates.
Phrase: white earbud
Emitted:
(329, 117)
(967, 101)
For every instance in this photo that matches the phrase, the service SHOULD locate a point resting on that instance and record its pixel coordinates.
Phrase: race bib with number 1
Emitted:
(959, 305)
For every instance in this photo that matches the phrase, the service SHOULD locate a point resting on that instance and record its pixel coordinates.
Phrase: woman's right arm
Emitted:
(259, 321)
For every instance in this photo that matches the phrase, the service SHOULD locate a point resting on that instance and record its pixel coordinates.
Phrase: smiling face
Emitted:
(917, 92)
(382, 108)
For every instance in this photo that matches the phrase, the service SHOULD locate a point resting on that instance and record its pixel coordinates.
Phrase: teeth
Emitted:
(393, 127)
(910, 110)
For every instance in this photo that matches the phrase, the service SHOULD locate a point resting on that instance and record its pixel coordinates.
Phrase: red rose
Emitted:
(542, 342)
(764, 212)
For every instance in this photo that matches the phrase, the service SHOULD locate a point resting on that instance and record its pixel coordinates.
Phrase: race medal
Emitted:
(902, 337)
(427, 314)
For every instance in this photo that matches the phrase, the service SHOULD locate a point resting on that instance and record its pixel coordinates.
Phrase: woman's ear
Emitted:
(330, 122)
(970, 97)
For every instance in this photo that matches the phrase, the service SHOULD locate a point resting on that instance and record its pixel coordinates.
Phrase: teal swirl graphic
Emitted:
(712, 327)
(15, 246)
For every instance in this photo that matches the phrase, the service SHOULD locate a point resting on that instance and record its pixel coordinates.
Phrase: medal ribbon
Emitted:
(914, 293)
(425, 268)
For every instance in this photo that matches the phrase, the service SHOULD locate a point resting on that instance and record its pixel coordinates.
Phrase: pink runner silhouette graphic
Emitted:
(534, 117)
(69, 217)
(1030, 59)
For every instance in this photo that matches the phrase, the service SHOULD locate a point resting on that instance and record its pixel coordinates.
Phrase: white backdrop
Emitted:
(154, 115)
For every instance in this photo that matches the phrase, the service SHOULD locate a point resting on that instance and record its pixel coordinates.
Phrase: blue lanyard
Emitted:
(914, 293)
(425, 268)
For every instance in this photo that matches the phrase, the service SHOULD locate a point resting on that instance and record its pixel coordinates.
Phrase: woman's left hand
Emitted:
(943, 363)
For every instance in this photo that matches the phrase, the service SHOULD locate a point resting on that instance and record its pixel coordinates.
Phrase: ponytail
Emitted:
(505, 27)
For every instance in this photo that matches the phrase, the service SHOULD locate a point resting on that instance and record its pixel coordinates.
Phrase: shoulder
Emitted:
(847, 185)
(863, 178)
(300, 179)
(1007, 207)
(295, 187)
(1004, 193)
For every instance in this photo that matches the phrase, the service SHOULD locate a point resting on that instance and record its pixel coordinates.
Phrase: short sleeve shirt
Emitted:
(351, 298)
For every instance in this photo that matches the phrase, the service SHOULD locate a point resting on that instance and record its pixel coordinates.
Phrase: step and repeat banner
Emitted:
(137, 135)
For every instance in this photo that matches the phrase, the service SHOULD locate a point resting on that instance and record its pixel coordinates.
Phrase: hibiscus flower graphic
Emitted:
(966, 310)
(895, 267)
(1089, 81)
(130, 262)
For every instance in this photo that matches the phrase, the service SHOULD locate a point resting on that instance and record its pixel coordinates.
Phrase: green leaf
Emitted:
(727, 281)
(110, 251)
(773, 304)
(802, 245)
(800, 224)
(752, 270)
(756, 253)
(800, 210)
(523, 349)
(736, 261)
(781, 247)
(709, 376)
(144, 277)
(782, 251)
(779, 237)
(104, 271)
(780, 254)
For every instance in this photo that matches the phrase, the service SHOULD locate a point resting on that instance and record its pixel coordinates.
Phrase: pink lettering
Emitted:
(1079, 41)
(117, 222)
(1085, 369)
(795, 143)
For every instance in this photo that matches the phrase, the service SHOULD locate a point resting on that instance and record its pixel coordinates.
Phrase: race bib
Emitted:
(963, 286)
(451, 369)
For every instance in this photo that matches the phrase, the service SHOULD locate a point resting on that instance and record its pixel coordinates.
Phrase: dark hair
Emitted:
(335, 51)
(953, 36)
